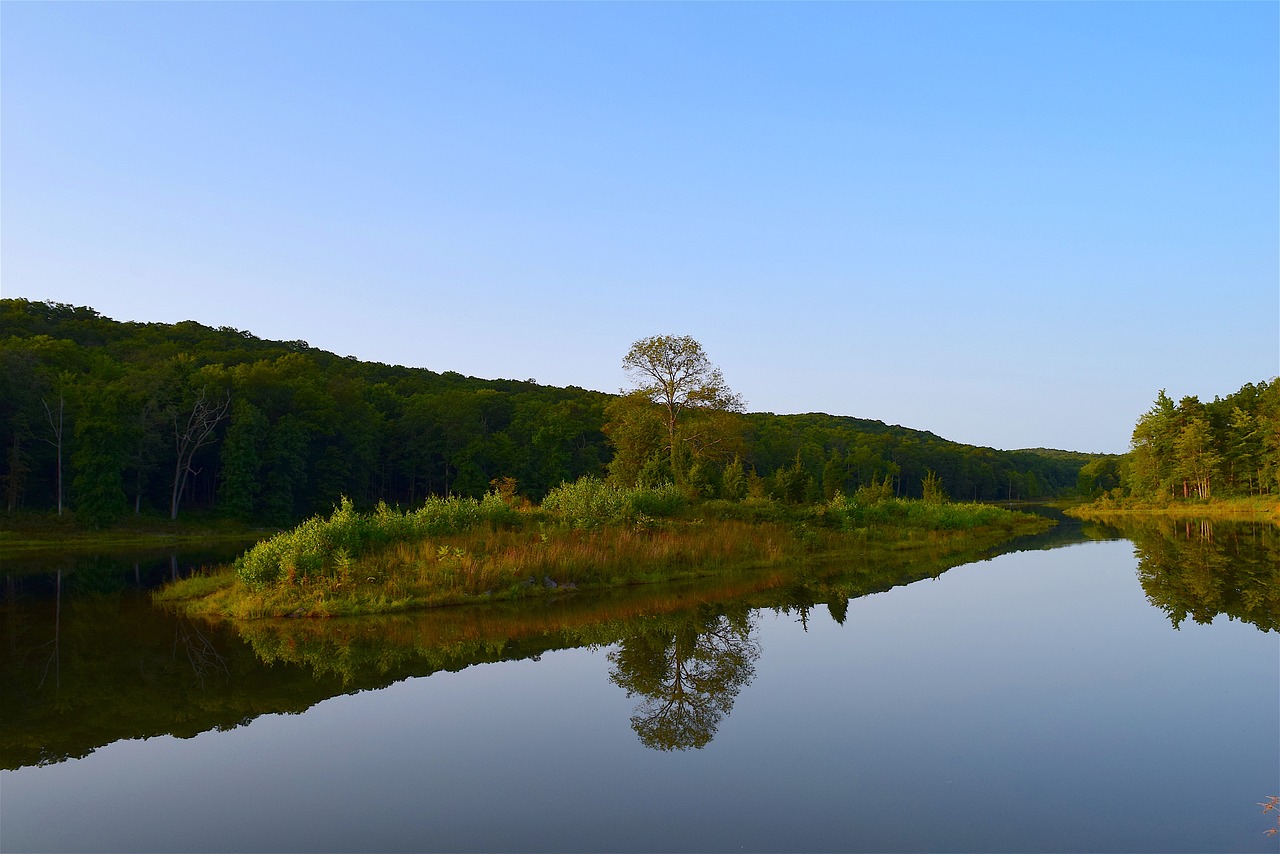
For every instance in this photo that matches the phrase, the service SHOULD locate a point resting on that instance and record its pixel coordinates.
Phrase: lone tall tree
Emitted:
(675, 373)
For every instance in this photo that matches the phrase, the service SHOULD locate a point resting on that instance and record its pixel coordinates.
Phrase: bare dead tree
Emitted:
(201, 654)
(55, 657)
(189, 438)
(56, 441)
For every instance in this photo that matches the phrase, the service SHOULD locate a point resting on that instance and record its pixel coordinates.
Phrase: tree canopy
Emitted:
(112, 402)
(674, 372)
(1191, 449)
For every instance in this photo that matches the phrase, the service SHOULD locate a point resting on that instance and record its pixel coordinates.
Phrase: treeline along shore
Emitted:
(102, 421)
(1217, 459)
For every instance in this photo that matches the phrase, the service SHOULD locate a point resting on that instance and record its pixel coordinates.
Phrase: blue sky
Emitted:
(1007, 223)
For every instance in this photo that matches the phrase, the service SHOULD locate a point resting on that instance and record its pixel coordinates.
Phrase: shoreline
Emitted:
(1251, 509)
(490, 566)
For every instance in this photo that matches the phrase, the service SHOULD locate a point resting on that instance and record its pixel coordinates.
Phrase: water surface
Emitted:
(1041, 700)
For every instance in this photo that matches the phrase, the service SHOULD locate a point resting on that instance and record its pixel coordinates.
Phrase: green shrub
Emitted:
(660, 501)
(322, 546)
(875, 491)
(852, 514)
(590, 502)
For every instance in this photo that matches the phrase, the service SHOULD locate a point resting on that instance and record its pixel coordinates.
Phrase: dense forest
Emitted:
(103, 419)
(1197, 451)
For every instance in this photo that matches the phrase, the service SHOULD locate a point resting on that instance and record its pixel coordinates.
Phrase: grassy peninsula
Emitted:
(585, 535)
(1240, 508)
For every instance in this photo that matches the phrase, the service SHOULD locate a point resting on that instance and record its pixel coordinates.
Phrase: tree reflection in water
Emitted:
(1200, 569)
(688, 668)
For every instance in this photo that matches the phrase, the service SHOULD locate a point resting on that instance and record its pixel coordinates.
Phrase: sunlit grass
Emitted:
(487, 564)
(1259, 508)
(590, 535)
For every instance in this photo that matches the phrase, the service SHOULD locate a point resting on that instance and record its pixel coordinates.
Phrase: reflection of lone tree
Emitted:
(202, 655)
(689, 669)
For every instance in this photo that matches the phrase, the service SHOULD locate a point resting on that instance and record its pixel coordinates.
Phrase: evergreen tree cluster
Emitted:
(109, 418)
(1194, 450)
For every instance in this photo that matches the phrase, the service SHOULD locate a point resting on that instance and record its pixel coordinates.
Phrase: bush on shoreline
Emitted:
(321, 546)
(590, 502)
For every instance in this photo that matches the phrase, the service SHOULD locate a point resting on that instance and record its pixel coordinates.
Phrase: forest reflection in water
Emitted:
(1040, 695)
(90, 661)
(1200, 568)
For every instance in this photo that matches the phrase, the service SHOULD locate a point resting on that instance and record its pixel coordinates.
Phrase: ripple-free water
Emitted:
(1037, 701)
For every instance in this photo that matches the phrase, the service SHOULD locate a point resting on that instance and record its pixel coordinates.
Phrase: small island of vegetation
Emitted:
(410, 488)
(645, 524)
(587, 534)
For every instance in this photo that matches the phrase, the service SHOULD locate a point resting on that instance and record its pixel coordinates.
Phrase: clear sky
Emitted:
(1007, 223)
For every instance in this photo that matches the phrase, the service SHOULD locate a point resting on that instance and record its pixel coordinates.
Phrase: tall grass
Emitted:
(497, 564)
(850, 514)
(326, 547)
(1260, 508)
(587, 533)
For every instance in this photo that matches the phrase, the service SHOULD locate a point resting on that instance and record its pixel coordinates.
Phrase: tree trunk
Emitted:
(203, 419)
(675, 468)
(56, 442)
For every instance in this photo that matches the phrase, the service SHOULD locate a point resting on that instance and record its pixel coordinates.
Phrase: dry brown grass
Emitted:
(503, 564)
(485, 564)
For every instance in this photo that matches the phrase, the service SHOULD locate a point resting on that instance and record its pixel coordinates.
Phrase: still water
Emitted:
(1039, 700)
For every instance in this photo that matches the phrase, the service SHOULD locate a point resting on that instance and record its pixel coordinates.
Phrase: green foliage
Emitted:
(655, 472)
(590, 502)
(701, 481)
(325, 546)
(307, 427)
(242, 458)
(1194, 450)
(97, 488)
(636, 434)
(1098, 476)
(733, 481)
(932, 489)
(835, 474)
(791, 483)
(676, 382)
(875, 491)
(853, 514)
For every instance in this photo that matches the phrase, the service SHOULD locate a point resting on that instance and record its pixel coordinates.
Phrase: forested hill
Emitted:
(114, 418)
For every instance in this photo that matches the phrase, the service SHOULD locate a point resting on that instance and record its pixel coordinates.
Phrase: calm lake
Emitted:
(1086, 690)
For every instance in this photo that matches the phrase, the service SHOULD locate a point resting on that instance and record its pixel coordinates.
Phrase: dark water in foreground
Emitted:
(1038, 701)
